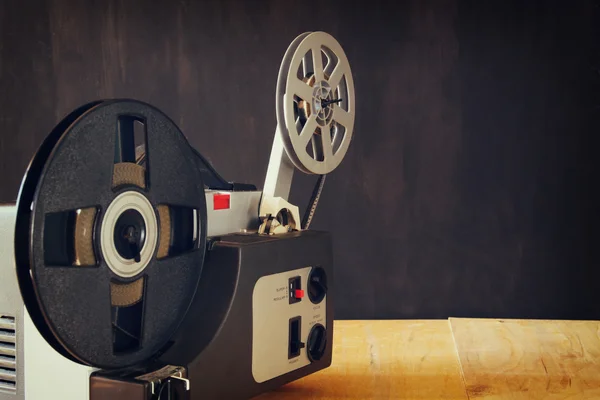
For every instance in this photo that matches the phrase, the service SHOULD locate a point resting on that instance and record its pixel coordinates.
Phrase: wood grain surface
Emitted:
(385, 360)
(500, 359)
(525, 359)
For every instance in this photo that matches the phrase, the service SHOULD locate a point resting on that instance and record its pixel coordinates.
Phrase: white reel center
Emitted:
(130, 220)
(322, 103)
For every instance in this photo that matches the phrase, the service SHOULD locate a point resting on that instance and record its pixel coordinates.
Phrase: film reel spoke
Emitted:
(338, 73)
(80, 301)
(307, 65)
(308, 130)
(342, 117)
(165, 174)
(175, 196)
(301, 89)
(317, 59)
(166, 283)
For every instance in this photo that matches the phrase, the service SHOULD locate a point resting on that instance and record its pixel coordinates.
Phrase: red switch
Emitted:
(299, 293)
(221, 201)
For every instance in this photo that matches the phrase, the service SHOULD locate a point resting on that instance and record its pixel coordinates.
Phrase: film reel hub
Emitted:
(322, 103)
(129, 234)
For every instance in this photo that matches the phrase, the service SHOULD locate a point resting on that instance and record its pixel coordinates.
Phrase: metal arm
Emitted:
(280, 171)
(277, 186)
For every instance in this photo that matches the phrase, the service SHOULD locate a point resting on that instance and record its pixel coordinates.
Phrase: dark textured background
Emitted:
(469, 189)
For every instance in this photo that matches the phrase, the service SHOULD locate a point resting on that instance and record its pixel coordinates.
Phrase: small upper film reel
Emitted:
(315, 103)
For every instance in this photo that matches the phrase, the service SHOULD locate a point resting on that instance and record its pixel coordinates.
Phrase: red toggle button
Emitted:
(221, 201)
(299, 293)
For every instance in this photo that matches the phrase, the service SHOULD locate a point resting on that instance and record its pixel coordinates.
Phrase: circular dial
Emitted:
(102, 275)
(316, 343)
(315, 103)
(317, 285)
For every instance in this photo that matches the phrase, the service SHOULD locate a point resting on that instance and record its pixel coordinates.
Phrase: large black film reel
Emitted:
(109, 245)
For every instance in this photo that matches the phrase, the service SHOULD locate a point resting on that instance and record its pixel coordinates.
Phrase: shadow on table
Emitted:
(375, 386)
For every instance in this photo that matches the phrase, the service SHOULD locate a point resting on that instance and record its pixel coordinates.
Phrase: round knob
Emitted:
(317, 343)
(317, 285)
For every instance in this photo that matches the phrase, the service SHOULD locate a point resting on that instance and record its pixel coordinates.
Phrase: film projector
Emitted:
(142, 274)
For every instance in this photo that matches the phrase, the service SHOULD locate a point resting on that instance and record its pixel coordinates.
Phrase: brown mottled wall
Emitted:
(469, 188)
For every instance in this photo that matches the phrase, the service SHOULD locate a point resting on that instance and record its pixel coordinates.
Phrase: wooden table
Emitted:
(457, 359)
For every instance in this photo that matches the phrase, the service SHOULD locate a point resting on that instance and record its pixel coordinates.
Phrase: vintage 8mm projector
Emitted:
(142, 274)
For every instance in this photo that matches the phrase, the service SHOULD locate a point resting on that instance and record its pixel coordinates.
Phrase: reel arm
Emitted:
(278, 184)
(276, 213)
(280, 170)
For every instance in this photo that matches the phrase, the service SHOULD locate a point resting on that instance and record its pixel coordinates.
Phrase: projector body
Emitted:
(241, 313)
(130, 269)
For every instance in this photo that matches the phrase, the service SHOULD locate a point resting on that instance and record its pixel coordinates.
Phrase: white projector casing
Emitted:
(41, 373)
